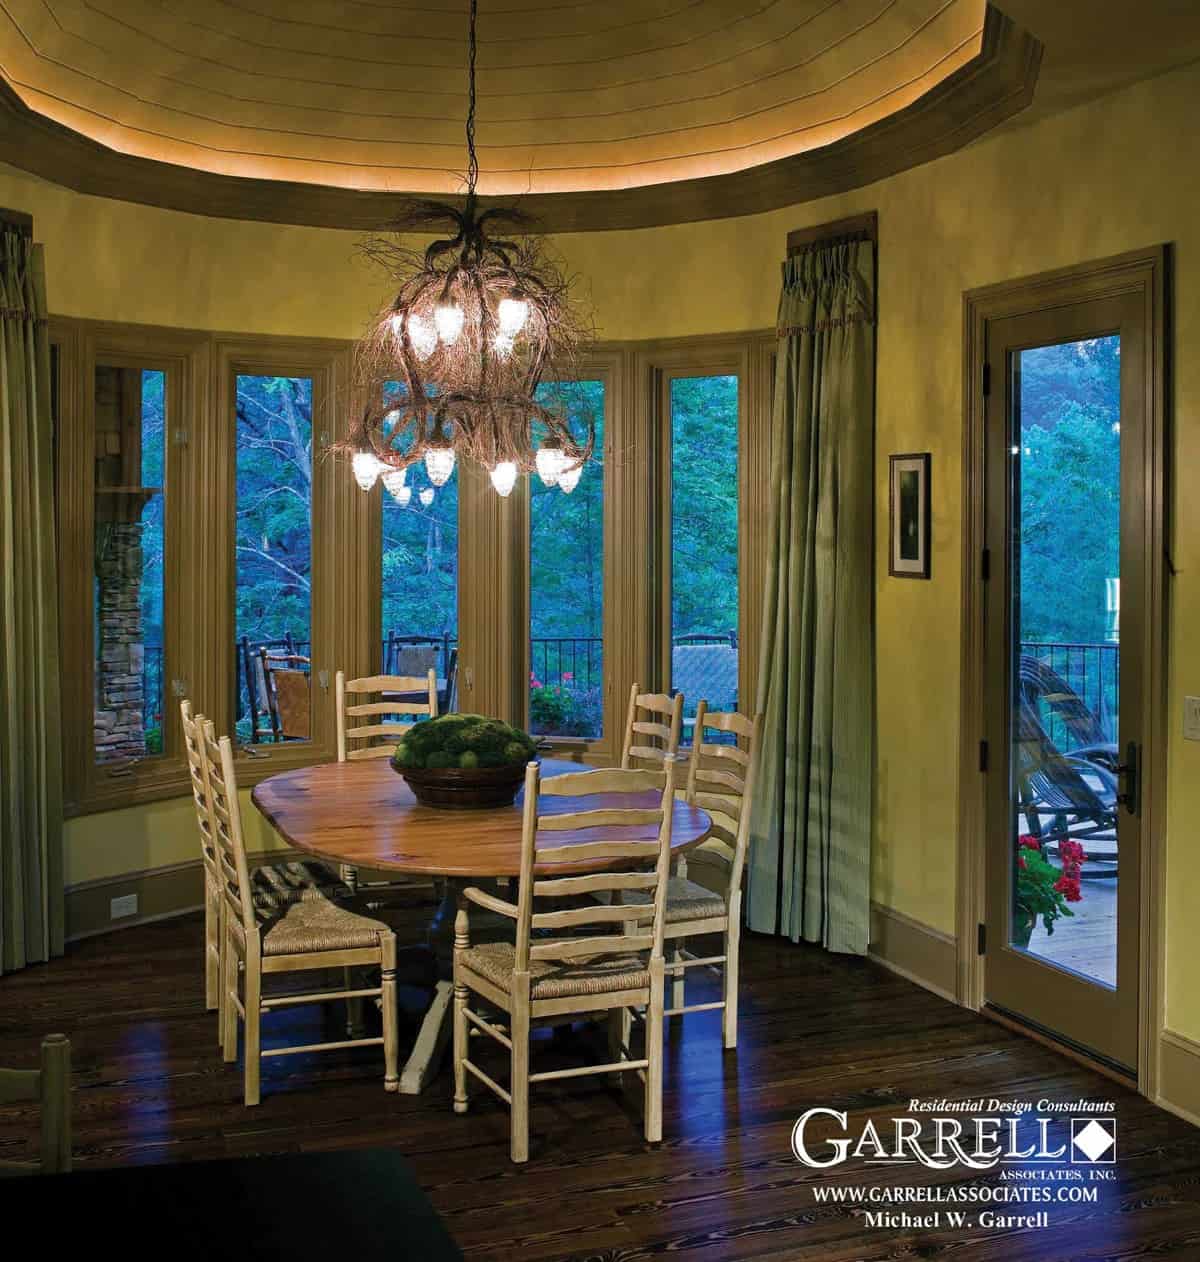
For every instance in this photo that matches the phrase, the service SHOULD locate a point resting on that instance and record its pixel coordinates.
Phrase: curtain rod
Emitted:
(863, 227)
(16, 221)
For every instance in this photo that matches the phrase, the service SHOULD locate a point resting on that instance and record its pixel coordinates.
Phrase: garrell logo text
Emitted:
(979, 1143)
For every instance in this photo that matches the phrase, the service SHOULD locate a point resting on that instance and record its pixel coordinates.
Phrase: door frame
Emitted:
(1145, 272)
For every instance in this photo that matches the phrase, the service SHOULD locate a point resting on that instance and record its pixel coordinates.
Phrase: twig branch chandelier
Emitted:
(451, 367)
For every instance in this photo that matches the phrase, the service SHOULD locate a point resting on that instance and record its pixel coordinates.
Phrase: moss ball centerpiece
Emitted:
(464, 761)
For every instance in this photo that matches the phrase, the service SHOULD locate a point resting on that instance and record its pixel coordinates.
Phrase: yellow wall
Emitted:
(1107, 177)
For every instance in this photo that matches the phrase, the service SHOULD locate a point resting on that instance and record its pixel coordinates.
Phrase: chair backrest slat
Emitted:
(618, 835)
(193, 742)
(227, 827)
(362, 741)
(663, 722)
(725, 796)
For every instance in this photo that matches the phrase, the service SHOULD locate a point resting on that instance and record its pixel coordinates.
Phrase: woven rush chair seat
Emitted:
(557, 979)
(685, 900)
(316, 925)
(295, 881)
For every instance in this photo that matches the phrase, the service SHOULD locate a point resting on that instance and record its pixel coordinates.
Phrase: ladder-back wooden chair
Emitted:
(617, 966)
(282, 882)
(367, 729)
(49, 1086)
(653, 726)
(720, 781)
(379, 734)
(260, 941)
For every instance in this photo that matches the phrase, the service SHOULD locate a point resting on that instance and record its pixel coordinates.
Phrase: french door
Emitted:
(1066, 539)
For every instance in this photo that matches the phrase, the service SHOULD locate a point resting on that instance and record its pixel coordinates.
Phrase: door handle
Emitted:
(1131, 797)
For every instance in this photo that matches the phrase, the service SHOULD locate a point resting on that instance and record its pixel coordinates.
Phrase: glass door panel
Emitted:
(1065, 576)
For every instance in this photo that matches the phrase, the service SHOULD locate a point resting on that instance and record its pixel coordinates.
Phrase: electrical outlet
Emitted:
(1191, 718)
(120, 908)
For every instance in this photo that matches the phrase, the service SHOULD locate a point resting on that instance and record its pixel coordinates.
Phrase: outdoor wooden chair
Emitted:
(1071, 793)
(617, 966)
(286, 881)
(300, 936)
(650, 739)
(288, 684)
(49, 1086)
(720, 781)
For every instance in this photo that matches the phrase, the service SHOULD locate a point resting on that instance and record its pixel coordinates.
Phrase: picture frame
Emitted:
(909, 516)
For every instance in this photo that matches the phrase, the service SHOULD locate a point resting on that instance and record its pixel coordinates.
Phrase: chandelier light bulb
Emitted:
(403, 496)
(393, 481)
(439, 464)
(512, 314)
(449, 320)
(504, 477)
(426, 496)
(502, 344)
(366, 469)
(550, 460)
(568, 479)
(424, 336)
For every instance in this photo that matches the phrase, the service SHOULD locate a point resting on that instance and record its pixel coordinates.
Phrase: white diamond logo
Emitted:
(1093, 1139)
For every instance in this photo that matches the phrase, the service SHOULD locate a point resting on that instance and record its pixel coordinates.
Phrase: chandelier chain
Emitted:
(472, 158)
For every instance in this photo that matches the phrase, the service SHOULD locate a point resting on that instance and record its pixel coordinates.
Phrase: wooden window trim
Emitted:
(327, 365)
(184, 358)
(608, 367)
(750, 358)
(493, 553)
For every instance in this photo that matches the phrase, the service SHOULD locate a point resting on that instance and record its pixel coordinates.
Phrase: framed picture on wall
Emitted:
(909, 516)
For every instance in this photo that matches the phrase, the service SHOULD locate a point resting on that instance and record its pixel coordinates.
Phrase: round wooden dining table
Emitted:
(363, 815)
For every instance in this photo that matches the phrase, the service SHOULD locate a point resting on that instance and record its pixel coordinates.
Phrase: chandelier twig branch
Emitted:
(451, 367)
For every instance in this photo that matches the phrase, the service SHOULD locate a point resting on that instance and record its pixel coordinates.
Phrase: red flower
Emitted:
(1071, 852)
(1068, 886)
(1021, 863)
(567, 676)
(1030, 842)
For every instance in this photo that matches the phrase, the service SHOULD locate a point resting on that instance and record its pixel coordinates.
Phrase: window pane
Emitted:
(274, 557)
(128, 576)
(704, 542)
(566, 585)
(419, 580)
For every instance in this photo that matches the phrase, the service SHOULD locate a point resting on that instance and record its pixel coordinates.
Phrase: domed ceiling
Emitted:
(575, 96)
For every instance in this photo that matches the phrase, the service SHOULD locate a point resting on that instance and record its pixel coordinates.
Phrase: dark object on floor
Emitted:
(363, 1205)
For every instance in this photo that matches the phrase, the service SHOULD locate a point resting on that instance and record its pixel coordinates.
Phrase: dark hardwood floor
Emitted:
(816, 1030)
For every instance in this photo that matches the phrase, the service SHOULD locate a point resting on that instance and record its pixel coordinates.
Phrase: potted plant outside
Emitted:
(1044, 891)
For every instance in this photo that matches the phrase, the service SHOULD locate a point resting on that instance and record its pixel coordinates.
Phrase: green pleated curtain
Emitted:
(810, 860)
(31, 864)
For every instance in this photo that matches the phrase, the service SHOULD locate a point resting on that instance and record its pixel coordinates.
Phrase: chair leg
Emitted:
(461, 1045)
(654, 1053)
(617, 1041)
(519, 1084)
(212, 949)
(229, 1012)
(355, 1022)
(677, 980)
(391, 1033)
(729, 1017)
(253, 1041)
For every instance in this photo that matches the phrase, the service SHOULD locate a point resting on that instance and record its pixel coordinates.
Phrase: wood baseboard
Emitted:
(915, 951)
(1179, 1076)
(161, 893)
